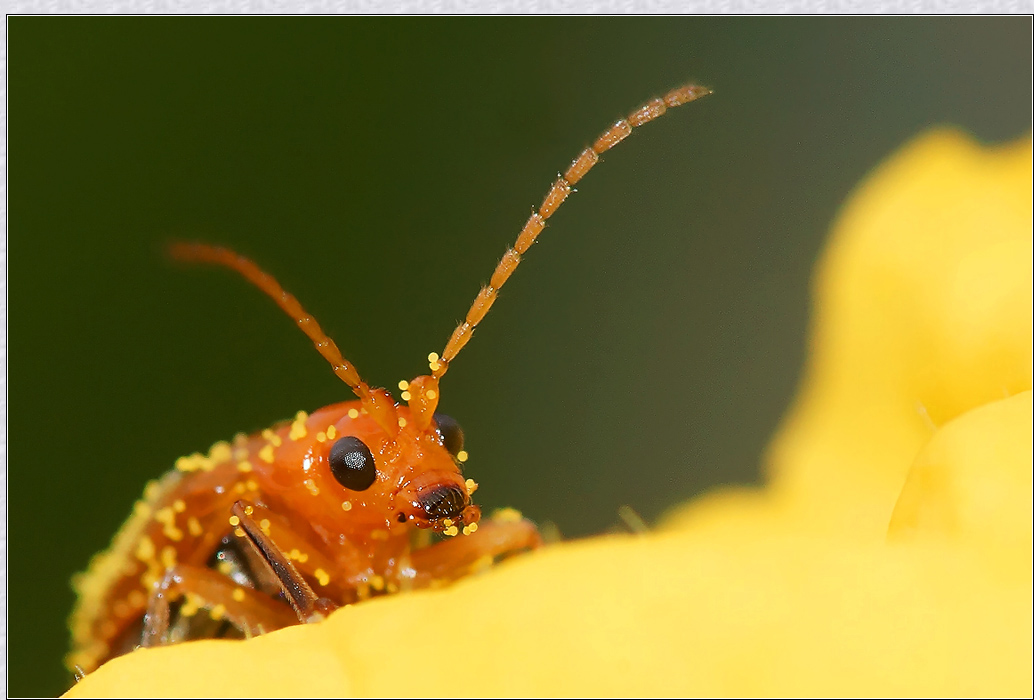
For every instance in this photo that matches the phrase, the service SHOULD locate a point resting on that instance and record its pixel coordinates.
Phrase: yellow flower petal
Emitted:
(923, 311)
(917, 402)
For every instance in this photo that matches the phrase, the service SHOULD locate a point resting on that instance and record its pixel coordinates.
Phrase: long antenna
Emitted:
(202, 253)
(557, 194)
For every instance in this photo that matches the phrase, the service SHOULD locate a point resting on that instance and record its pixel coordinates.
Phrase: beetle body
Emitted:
(323, 510)
(348, 544)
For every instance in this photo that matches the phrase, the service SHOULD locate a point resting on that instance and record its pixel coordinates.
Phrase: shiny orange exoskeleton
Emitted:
(320, 511)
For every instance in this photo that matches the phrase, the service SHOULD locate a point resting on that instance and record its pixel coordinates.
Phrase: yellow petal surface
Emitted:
(915, 413)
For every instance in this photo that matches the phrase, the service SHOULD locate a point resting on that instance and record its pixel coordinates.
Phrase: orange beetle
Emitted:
(324, 510)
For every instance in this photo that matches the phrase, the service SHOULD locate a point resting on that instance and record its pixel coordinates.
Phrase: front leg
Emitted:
(454, 558)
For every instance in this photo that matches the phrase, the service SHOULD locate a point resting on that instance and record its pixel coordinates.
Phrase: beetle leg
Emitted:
(246, 608)
(307, 605)
(456, 557)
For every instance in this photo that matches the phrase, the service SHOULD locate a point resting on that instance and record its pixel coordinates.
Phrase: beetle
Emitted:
(326, 509)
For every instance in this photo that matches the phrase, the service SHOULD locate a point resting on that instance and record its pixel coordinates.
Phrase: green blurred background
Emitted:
(379, 167)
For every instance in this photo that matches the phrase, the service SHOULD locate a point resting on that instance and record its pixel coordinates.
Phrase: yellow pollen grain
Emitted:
(462, 456)
(179, 505)
(267, 434)
(346, 505)
(194, 527)
(332, 431)
(141, 509)
(185, 464)
(168, 556)
(403, 384)
(432, 394)
(321, 436)
(240, 453)
(238, 594)
(377, 582)
(190, 607)
(322, 577)
(471, 485)
(507, 515)
(220, 452)
(470, 529)
(298, 430)
(244, 466)
(276, 440)
(145, 549)
(392, 587)
(433, 357)
(167, 517)
(402, 422)
(252, 485)
(217, 612)
(266, 454)
(264, 526)
(311, 485)
(240, 439)
(451, 531)
(434, 366)
(406, 396)
(225, 568)
(234, 521)
(447, 522)
(301, 416)
(353, 413)
(248, 510)
(151, 490)
(238, 532)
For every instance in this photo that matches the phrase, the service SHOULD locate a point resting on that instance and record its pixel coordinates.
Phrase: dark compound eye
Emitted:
(451, 432)
(351, 463)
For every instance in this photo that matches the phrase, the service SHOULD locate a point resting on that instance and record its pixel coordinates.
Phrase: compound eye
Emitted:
(451, 432)
(351, 463)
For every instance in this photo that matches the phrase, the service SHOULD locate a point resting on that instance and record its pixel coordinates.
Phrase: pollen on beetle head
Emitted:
(472, 486)
(402, 422)
(321, 576)
(244, 466)
(311, 485)
(332, 431)
(266, 454)
(462, 456)
(353, 414)
(451, 531)
(217, 612)
(403, 384)
(406, 396)
(248, 510)
(238, 594)
(470, 529)
(346, 505)
(234, 521)
(298, 430)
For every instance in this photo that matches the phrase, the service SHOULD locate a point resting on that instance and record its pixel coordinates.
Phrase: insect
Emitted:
(324, 510)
